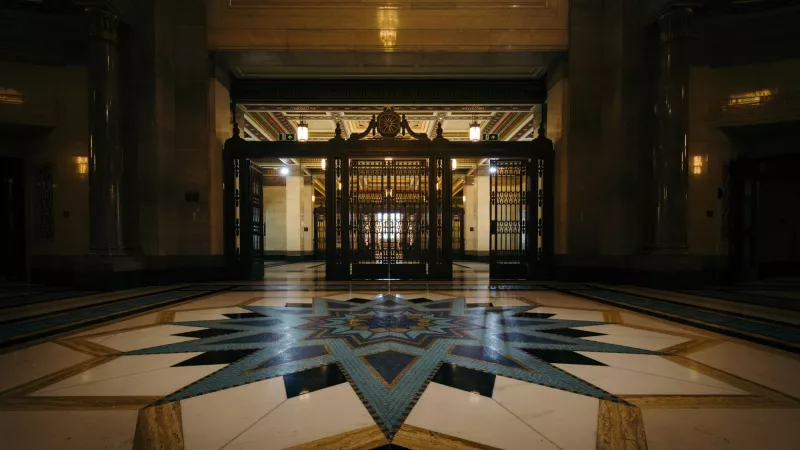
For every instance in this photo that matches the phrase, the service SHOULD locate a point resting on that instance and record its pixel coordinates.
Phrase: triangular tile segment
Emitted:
(206, 333)
(216, 357)
(389, 365)
(259, 323)
(561, 357)
(293, 355)
(465, 379)
(250, 315)
(573, 332)
(483, 354)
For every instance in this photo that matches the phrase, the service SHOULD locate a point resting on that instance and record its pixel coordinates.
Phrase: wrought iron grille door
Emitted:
(458, 234)
(320, 239)
(388, 218)
(509, 200)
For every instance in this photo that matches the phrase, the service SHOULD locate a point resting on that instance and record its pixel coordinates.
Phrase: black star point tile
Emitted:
(465, 379)
(207, 333)
(483, 354)
(294, 354)
(418, 301)
(530, 315)
(259, 323)
(573, 332)
(561, 357)
(250, 315)
(528, 339)
(311, 380)
(216, 357)
(360, 301)
(390, 364)
(298, 305)
(253, 339)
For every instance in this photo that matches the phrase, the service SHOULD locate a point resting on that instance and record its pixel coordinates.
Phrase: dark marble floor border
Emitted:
(38, 329)
(749, 336)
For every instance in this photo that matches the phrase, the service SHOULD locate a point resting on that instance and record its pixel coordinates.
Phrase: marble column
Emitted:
(482, 208)
(470, 217)
(105, 150)
(294, 211)
(670, 157)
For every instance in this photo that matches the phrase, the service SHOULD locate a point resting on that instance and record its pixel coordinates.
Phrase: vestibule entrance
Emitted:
(389, 221)
(400, 205)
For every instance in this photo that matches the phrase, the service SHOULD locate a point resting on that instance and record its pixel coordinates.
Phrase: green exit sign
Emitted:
(286, 137)
(490, 137)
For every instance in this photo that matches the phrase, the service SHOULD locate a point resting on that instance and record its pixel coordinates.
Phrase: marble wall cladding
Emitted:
(470, 219)
(557, 121)
(377, 25)
(65, 149)
(711, 148)
(308, 219)
(220, 98)
(275, 219)
(584, 170)
(186, 119)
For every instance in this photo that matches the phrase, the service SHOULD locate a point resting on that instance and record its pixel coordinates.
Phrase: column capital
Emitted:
(103, 24)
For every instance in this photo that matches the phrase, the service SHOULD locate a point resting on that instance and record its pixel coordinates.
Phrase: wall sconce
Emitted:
(284, 171)
(697, 165)
(463, 199)
(492, 169)
(81, 164)
(324, 163)
(302, 130)
(313, 198)
(455, 164)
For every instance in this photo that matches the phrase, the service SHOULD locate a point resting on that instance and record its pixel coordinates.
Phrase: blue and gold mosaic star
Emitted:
(389, 348)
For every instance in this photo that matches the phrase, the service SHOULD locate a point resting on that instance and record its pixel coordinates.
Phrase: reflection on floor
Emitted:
(314, 271)
(443, 366)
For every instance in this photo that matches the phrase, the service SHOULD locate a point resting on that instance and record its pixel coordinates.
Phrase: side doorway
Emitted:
(12, 219)
(245, 211)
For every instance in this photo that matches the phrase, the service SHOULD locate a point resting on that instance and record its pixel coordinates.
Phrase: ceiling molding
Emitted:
(405, 92)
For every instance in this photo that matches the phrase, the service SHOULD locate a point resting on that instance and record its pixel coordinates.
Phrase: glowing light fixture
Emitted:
(313, 198)
(455, 164)
(475, 131)
(324, 163)
(302, 130)
(82, 164)
(697, 165)
(284, 171)
(492, 169)
(464, 199)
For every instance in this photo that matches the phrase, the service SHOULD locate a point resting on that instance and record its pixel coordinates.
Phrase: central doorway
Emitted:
(389, 218)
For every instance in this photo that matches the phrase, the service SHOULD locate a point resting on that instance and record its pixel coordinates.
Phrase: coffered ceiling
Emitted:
(509, 122)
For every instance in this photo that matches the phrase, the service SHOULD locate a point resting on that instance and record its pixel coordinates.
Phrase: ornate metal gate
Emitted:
(247, 180)
(509, 244)
(458, 233)
(319, 234)
(388, 217)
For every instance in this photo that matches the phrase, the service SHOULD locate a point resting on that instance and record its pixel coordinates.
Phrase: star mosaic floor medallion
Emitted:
(388, 348)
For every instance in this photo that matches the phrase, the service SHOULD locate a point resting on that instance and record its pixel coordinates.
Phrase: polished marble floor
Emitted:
(393, 366)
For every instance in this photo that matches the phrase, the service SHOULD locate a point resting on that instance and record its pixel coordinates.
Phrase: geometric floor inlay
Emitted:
(389, 349)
